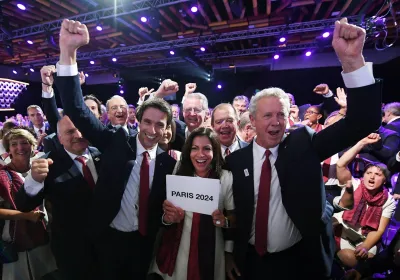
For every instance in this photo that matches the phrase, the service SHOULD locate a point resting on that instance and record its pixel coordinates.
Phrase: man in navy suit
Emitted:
(392, 116)
(283, 222)
(224, 120)
(117, 112)
(126, 212)
(37, 123)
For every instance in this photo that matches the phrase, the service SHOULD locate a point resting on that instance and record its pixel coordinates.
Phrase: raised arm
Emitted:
(48, 98)
(364, 94)
(342, 172)
(74, 35)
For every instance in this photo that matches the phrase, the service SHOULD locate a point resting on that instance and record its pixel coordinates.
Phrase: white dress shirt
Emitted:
(235, 146)
(398, 156)
(392, 120)
(282, 233)
(127, 219)
(43, 128)
(33, 187)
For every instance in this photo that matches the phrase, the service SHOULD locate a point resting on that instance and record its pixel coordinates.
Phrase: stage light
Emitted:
(21, 7)
(282, 39)
(203, 49)
(99, 28)
(143, 19)
(194, 9)
(171, 52)
(92, 62)
(326, 34)
(29, 42)
(32, 70)
(86, 75)
(15, 72)
(276, 56)
(114, 59)
(121, 91)
(208, 79)
(308, 53)
(219, 86)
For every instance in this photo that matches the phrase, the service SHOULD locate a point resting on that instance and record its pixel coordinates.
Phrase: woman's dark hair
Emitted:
(94, 98)
(186, 167)
(156, 103)
(318, 107)
(6, 128)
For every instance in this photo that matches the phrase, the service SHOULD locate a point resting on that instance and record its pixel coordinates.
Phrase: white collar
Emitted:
(74, 156)
(259, 151)
(395, 118)
(232, 147)
(43, 128)
(140, 149)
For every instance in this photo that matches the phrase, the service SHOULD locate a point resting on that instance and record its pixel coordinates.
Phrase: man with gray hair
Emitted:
(240, 103)
(282, 216)
(392, 116)
(246, 131)
(117, 113)
(195, 107)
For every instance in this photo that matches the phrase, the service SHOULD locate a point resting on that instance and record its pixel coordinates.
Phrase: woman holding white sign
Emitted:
(192, 246)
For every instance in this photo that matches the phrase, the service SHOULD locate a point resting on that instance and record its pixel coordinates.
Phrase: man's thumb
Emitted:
(50, 161)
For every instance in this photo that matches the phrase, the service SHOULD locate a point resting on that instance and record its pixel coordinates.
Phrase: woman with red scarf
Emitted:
(312, 117)
(359, 230)
(192, 245)
(26, 231)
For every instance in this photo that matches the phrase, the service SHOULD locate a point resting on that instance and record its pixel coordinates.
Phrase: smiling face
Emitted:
(20, 149)
(92, 105)
(201, 155)
(193, 113)
(269, 121)
(70, 137)
(152, 127)
(225, 124)
(167, 136)
(117, 110)
(312, 114)
(374, 178)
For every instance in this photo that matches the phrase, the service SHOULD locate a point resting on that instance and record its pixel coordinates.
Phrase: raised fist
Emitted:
(190, 88)
(321, 89)
(348, 42)
(73, 35)
(47, 74)
(143, 91)
(82, 78)
(40, 169)
(166, 88)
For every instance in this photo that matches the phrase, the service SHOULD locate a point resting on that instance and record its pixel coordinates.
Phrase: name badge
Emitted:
(246, 172)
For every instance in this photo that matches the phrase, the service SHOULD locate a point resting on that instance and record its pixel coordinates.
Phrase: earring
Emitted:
(32, 153)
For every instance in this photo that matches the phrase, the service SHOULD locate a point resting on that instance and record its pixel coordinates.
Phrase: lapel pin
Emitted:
(246, 172)
(97, 159)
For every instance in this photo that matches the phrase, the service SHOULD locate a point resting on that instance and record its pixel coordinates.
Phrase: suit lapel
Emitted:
(96, 157)
(67, 164)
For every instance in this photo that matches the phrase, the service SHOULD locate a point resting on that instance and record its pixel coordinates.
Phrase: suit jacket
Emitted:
(51, 142)
(131, 130)
(119, 154)
(180, 136)
(394, 167)
(394, 125)
(384, 149)
(299, 170)
(69, 194)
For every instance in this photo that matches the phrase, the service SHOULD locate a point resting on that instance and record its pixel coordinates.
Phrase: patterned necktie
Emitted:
(87, 175)
(263, 206)
(227, 152)
(144, 194)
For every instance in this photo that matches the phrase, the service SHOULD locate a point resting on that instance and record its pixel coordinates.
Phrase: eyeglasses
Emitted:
(115, 107)
(195, 110)
(311, 112)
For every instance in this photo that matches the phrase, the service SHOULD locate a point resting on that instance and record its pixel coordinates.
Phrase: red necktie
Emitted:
(263, 206)
(325, 169)
(87, 175)
(227, 152)
(193, 272)
(40, 132)
(144, 194)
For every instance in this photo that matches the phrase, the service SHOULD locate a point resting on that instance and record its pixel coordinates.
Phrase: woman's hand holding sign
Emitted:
(172, 214)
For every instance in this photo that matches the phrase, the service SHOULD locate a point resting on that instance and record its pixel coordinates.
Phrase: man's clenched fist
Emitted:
(40, 169)
(73, 35)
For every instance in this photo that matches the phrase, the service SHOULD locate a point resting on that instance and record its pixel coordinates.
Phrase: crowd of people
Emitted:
(83, 188)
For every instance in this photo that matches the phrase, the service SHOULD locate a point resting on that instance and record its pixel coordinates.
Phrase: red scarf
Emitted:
(28, 235)
(318, 127)
(202, 247)
(369, 219)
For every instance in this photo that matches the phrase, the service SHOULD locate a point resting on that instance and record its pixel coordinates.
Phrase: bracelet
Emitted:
(47, 84)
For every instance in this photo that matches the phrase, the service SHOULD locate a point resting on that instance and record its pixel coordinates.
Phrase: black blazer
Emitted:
(68, 193)
(327, 106)
(51, 142)
(394, 125)
(384, 149)
(131, 131)
(119, 154)
(299, 170)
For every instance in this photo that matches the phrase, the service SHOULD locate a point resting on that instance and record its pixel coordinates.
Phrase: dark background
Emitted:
(300, 82)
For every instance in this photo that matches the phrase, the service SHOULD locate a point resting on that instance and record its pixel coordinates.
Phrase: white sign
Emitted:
(193, 194)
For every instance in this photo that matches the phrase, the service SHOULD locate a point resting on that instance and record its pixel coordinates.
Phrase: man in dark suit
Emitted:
(60, 178)
(127, 205)
(392, 116)
(37, 123)
(394, 167)
(384, 149)
(117, 112)
(224, 120)
(283, 222)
